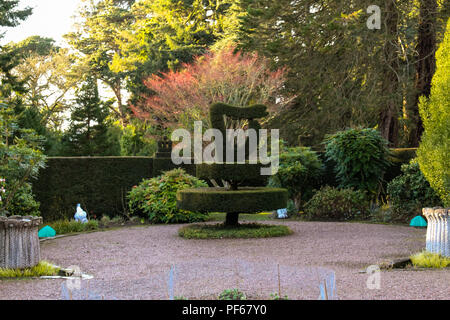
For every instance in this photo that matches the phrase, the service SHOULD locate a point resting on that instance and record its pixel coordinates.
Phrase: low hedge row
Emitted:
(100, 184)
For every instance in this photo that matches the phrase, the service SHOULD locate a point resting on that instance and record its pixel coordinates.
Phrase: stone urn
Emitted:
(438, 238)
(19, 242)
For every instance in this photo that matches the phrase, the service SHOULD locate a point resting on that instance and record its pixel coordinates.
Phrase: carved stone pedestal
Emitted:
(19, 242)
(438, 240)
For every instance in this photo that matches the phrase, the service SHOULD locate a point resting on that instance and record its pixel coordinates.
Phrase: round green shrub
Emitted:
(156, 200)
(361, 157)
(434, 150)
(23, 202)
(410, 192)
(300, 172)
(337, 205)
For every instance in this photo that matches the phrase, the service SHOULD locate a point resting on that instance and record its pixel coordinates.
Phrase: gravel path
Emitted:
(133, 263)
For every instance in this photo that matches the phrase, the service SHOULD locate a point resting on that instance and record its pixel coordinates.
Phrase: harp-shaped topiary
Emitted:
(237, 196)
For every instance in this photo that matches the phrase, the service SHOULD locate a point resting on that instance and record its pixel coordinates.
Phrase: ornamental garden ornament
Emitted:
(19, 242)
(438, 237)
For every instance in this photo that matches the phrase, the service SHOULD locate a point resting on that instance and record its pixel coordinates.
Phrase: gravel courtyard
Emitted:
(125, 262)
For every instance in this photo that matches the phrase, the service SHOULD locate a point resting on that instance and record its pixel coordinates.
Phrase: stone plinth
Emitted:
(19, 242)
(438, 240)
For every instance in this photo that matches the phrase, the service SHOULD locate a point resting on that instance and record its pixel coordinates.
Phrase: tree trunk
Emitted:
(232, 219)
(389, 114)
(426, 63)
(19, 242)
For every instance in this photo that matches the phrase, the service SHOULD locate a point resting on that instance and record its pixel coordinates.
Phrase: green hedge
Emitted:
(161, 165)
(245, 174)
(244, 200)
(99, 184)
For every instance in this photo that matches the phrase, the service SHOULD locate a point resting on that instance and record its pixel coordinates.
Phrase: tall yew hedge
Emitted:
(99, 184)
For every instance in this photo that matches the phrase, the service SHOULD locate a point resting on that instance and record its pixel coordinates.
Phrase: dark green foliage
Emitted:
(232, 294)
(242, 231)
(156, 200)
(137, 139)
(38, 45)
(398, 157)
(23, 202)
(410, 192)
(244, 174)
(342, 73)
(21, 158)
(72, 226)
(245, 200)
(218, 110)
(10, 16)
(434, 150)
(88, 131)
(337, 205)
(161, 165)
(233, 199)
(300, 172)
(31, 118)
(291, 208)
(99, 184)
(402, 155)
(361, 157)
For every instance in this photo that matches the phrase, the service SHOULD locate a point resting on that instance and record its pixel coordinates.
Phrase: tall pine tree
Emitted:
(88, 131)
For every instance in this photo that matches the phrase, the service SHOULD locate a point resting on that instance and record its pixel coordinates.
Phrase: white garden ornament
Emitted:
(438, 238)
(80, 215)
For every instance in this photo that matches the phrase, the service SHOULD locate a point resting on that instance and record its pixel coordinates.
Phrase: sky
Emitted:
(50, 18)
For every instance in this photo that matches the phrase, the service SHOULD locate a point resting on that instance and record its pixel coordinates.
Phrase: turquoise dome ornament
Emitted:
(418, 222)
(46, 232)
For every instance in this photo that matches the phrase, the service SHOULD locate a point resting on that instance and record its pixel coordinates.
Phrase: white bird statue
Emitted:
(282, 213)
(80, 215)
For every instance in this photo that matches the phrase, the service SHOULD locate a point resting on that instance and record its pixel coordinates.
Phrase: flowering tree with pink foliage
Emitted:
(239, 79)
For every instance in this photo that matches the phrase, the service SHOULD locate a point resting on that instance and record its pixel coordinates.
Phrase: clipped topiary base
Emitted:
(248, 200)
(243, 231)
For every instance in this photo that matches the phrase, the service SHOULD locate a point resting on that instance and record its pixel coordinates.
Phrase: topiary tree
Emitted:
(236, 197)
(434, 150)
(361, 157)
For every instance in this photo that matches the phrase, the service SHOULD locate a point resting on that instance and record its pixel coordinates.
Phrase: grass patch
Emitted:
(427, 259)
(245, 231)
(72, 226)
(44, 268)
